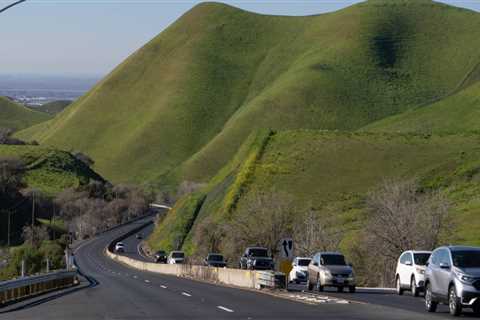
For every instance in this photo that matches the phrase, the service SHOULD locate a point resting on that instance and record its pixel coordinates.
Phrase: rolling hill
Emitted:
(50, 171)
(16, 116)
(53, 107)
(181, 106)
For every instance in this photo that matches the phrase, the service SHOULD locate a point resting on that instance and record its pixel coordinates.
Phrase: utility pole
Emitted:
(33, 216)
(9, 212)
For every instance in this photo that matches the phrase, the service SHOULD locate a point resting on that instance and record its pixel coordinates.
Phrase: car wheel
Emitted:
(309, 285)
(319, 285)
(430, 305)
(453, 302)
(352, 289)
(476, 308)
(413, 287)
(399, 287)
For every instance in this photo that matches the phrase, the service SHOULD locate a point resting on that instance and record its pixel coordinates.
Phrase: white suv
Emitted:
(410, 274)
(299, 272)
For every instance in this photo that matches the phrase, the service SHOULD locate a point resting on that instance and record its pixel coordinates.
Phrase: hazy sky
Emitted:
(93, 36)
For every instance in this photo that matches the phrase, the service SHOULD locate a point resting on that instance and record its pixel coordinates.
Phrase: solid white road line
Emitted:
(224, 309)
(186, 294)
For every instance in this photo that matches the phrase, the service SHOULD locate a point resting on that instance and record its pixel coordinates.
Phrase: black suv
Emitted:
(256, 258)
(215, 260)
(160, 257)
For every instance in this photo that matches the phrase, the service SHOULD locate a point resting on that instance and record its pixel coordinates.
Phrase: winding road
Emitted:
(115, 291)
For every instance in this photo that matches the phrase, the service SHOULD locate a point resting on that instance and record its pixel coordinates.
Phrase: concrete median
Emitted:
(226, 276)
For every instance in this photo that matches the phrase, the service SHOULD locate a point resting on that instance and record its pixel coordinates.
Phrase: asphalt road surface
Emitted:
(118, 292)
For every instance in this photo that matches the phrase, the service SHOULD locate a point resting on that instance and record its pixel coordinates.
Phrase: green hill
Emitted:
(331, 172)
(48, 170)
(16, 116)
(180, 107)
(457, 113)
(53, 107)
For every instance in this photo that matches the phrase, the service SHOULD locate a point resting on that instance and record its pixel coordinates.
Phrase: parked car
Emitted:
(299, 272)
(119, 247)
(256, 258)
(176, 257)
(329, 269)
(410, 272)
(160, 256)
(215, 260)
(453, 277)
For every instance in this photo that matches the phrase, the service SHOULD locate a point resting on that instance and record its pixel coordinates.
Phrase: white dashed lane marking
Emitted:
(163, 287)
(225, 309)
(147, 281)
(186, 294)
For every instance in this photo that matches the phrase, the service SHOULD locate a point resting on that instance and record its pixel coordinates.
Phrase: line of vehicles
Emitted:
(449, 275)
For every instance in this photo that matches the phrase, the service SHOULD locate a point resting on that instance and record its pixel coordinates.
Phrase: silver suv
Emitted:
(329, 269)
(453, 277)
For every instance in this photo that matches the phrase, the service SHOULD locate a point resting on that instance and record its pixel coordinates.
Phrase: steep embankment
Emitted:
(330, 173)
(180, 107)
(16, 116)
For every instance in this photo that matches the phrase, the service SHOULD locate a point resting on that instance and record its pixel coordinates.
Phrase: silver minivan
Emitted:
(453, 277)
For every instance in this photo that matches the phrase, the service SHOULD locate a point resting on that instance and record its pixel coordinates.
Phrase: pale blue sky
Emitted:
(93, 36)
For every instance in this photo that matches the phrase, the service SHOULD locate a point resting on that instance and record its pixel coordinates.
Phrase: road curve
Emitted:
(119, 292)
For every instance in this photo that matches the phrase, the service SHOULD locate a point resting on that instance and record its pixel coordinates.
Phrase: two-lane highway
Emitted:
(124, 293)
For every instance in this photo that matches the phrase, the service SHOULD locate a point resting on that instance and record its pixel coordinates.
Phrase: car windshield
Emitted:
(466, 259)
(161, 253)
(421, 258)
(120, 244)
(333, 259)
(258, 252)
(215, 257)
(303, 262)
(178, 255)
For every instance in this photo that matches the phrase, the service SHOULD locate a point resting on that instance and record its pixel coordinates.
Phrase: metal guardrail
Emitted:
(271, 279)
(13, 290)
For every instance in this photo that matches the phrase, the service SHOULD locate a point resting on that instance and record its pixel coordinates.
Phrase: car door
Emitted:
(407, 269)
(444, 270)
(401, 267)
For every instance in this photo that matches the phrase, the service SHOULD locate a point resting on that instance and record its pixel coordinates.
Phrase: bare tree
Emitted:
(402, 218)
(314, 232)
(188, 187)
(35, 235)
(263, 219)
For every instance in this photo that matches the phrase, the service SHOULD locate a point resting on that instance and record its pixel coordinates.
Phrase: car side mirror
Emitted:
(444, 265)
(408, 263)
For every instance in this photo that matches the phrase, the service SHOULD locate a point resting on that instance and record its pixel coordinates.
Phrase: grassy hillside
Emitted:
(332, 172)
(16, 116)
(53, 107)
(457, 113)
(180, 107)
(48, 170)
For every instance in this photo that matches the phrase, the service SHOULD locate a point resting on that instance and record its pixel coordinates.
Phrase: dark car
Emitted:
(215, 260)
(160, 257)
(139, 236)
(256, 258)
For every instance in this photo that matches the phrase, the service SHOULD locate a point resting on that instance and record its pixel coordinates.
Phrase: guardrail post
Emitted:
(23, 268)
(48, 265)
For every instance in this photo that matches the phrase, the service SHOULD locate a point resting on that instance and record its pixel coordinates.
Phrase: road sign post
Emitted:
(286, 255)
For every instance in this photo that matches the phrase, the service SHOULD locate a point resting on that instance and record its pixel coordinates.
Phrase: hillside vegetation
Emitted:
(181, 106)
(330, 173)
(16, 116)
(48, 170)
